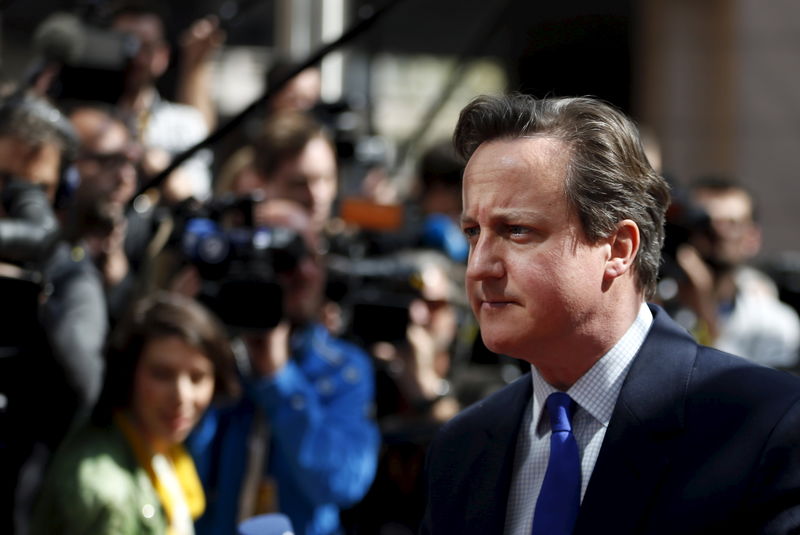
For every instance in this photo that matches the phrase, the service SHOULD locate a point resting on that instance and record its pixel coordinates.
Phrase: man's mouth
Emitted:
(495, 303)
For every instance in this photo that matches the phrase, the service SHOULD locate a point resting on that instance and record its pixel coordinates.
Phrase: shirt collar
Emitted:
(597, 390)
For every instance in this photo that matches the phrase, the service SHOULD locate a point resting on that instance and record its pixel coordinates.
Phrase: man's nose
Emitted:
(485, 260)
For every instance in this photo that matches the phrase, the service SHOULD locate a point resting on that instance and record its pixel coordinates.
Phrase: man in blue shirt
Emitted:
(301, 440)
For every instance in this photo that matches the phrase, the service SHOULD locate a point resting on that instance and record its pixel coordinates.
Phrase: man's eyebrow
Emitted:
(504, 215)
(515, 213)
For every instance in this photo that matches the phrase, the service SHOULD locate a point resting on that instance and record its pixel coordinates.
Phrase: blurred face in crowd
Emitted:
(107, 159)
(442, 199)
(303, 287)
(152, 58)
(301, 93)
(433, 309)
(39, 164)
(533, 280)
(734, 237)
(310, 179)
(173, 385)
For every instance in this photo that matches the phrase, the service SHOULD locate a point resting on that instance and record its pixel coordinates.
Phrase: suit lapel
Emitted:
(489, 476)
(647, 418)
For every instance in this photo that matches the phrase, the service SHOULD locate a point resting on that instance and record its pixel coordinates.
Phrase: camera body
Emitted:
(376, 294)
(239, 263)
(29, 230)
(93, 61)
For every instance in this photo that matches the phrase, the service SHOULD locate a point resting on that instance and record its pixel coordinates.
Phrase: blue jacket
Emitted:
(323, 441)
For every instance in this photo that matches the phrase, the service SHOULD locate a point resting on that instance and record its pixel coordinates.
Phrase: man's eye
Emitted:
(516, 229)
(470, 232)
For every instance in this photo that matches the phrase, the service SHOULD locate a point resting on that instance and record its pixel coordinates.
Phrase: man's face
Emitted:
(532, 278)
(37, 164)
(106, 163)
(310, 180)
(734, 238)
(433, 310)
(301, 93)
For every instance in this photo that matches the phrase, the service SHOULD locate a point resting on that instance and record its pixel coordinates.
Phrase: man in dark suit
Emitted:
(625, 424)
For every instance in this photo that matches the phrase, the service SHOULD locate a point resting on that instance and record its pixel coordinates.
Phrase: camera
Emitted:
(30, 231)
(239, 263)
(376, 294)
(685, 219)
(93, 61)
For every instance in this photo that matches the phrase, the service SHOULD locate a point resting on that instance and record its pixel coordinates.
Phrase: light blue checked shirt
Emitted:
(595, 394)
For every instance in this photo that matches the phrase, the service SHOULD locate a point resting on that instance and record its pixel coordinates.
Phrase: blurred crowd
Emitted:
(186, 346)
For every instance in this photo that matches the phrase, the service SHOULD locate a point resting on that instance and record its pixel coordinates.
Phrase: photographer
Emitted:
(294, 158)
(116, 53)
(51, 299)
(36, 144)
(406, 309)
(734, 306)
(163, 127)
(439, 198)
(31, 145)
(101, 221)
(301, 441)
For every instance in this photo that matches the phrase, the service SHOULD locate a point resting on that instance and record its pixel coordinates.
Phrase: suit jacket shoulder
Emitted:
(700, 441)
(470, 461)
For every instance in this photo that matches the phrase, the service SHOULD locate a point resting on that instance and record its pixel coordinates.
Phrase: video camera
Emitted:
(93, 62)
(685, 220)
(237, 261)
(375, 294)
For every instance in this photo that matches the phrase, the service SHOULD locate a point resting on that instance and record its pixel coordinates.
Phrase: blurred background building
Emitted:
(713, 82)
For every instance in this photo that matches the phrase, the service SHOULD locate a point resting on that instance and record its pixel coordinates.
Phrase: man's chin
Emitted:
(497, 343)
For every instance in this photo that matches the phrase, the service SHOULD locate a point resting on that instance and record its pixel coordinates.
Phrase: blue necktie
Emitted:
(560, 497)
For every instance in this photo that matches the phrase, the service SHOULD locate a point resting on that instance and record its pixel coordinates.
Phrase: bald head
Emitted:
(98, 129)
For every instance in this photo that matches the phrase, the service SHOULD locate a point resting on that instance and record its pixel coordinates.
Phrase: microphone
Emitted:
(60, 36)
(269, 524)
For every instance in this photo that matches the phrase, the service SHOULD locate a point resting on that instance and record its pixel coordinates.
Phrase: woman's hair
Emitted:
(159, 315)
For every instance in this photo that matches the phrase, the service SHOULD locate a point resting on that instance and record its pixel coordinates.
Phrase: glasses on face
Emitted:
(110, 161)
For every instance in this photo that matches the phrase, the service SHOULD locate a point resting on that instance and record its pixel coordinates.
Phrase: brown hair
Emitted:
(721, 184)
(158, 315)
(284, 136)
(608, 177)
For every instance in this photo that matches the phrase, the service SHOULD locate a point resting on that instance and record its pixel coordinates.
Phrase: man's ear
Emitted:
(624, 247)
